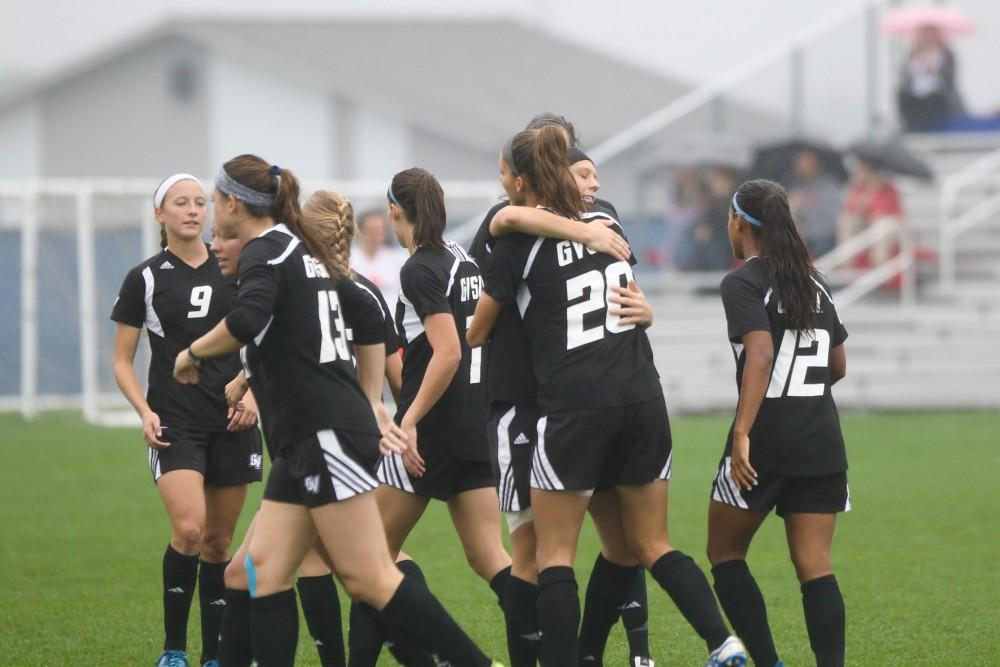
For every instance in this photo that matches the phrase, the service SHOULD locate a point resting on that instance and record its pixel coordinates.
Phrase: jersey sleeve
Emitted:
(256, 294)
(130, 306)
(743, 301)
(425, 289)
(505, 271)
(482, 244)
(362, 312)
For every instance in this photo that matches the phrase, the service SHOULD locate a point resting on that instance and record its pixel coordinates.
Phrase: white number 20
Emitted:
(201, 299)
(600, 289)
(788, 361)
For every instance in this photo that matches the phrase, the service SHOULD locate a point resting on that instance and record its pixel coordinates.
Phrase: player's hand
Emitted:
(742, 474)
(412, 460)
(235, 390)
(184, 368)
(244, 414)
(633, 307)
(393, 440)
(602, 238)
(152, 431)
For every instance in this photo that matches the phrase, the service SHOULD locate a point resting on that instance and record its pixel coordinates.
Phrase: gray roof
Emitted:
(475, 81)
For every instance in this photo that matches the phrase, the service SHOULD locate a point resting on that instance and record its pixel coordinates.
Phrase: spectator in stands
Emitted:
(377, 261)
(814, 197)
(707, 237)
(928, 94)
(871, 198)
(687, 206)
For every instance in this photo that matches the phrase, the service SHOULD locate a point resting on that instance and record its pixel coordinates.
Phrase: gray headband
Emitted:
(225, 182)
(508, 156)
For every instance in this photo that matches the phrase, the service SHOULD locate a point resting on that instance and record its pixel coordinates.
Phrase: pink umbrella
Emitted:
(907, 20)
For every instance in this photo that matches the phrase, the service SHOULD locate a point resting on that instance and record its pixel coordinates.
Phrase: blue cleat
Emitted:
(173, 658)
(730, 654)
(211, 663)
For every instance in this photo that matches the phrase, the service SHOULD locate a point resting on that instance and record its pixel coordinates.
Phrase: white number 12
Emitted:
(798, 365)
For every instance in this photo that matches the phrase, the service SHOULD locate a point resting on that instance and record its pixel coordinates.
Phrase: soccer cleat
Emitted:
(730, 654)
(211, 663)
(643, 662)
(173, 658)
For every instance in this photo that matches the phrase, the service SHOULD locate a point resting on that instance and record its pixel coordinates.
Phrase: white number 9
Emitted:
(201, 299)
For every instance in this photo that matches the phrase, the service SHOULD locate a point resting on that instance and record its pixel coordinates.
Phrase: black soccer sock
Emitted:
(234, 635)
(607, 593)
(635, 616)
(743, 603)
(499, 584)
(403, 649)
(321, 607)
(274, 629)
(558, 609)
(212, 598)
(522, 622)
(684, 582)
(417, 613)
(363, 641)
(824, 608)
(180, 573)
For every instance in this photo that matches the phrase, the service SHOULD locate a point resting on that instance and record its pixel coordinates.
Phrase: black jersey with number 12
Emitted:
(582, 355)
(296, 318)
(797, 430)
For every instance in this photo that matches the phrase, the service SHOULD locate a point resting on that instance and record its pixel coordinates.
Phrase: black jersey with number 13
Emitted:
(797, 430)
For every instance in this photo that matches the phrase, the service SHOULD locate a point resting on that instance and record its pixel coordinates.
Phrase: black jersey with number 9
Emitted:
(797, 430)
(297, 318)
(582, 355)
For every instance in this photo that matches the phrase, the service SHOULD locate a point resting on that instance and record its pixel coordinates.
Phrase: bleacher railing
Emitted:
(983, 172)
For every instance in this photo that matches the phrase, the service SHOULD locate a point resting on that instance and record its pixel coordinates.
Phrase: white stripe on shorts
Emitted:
(668, 468)
(348, 476)
(725, 489)
(542, 474)
(154, 464)
(507, 490)
(392, 472)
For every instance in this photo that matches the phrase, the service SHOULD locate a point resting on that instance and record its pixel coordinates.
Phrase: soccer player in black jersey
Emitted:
(604, 421)
(294, 308)
(785, 449)
(513, 414)
(202, 454)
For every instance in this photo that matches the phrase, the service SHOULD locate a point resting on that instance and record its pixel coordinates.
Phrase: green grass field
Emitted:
(918, 559)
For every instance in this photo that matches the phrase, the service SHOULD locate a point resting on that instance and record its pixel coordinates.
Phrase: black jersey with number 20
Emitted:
(582, 355)
(297, 317)
(797, 430)
(443, 281)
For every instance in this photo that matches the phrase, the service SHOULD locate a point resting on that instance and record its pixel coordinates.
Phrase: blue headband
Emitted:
(392, 197)
(743, 214)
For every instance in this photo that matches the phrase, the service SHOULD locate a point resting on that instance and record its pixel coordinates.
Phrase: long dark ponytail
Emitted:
(539, 157)
(255, 173)
(792, 275)
(419, 194)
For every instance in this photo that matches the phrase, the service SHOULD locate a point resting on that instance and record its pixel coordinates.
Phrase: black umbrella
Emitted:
(777, 161)
(892, 157)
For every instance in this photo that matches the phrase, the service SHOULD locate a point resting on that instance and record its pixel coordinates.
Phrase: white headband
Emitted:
(161, 191)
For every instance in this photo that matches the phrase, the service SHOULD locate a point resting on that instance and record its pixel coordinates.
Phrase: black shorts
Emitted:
(582, 450)
(222, 457)
(446, 475)
(323, 468)
(827, 494)
(511, 431)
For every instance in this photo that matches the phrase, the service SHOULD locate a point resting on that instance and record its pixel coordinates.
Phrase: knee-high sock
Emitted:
(180, 573)
(321, 607)
(521, 620)
(498, 584)
(274, 629)
(234, 634)
(363, 640)
(403, 649)
(607, 592)
(824, 608)
(635, 617)
(677, 574)
(212, 599)
(743, 603)
(417, 613)
(558, 609)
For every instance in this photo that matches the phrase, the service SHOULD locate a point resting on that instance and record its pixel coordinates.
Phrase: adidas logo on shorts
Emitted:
(166, 265)
(312, 484)
(521, 439)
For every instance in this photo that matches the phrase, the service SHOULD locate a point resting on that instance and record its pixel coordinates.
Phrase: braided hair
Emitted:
(331, 215)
